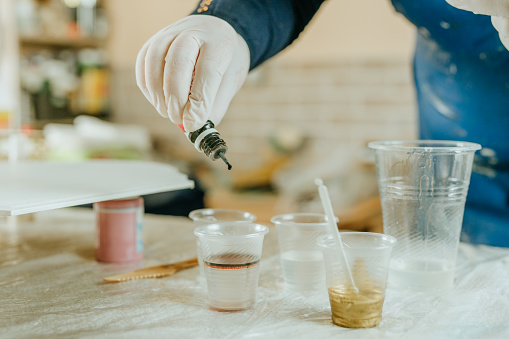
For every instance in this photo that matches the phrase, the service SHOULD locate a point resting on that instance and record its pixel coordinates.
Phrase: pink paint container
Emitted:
(119, 230)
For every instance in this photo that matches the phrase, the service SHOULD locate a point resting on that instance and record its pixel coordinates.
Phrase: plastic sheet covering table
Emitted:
(51, 287)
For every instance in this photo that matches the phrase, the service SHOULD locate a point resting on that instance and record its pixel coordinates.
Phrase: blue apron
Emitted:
(461, 74)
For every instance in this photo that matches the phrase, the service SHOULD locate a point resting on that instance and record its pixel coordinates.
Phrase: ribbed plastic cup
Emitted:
(368, 256)
(206, 216)
(231, 260)
(423, 186)
(301, 257)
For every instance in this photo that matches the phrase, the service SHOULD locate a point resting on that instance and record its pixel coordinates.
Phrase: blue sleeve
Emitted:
(267, 26)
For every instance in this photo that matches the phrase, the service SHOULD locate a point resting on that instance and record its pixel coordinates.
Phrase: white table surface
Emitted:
(51, 287)
(34, 186)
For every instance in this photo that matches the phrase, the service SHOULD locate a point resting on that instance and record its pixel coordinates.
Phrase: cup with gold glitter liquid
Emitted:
(367, 257)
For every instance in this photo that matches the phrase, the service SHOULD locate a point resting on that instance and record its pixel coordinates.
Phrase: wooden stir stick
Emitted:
(153, 272)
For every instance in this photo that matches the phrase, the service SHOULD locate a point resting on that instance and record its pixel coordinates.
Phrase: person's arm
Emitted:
(191, 69)
(267, 26)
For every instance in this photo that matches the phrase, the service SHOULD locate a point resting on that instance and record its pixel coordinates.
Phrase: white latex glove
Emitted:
(191, 70)
(497, 9)
(501, 24)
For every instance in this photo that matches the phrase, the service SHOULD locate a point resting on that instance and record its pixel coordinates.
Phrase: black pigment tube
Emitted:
(208, 140)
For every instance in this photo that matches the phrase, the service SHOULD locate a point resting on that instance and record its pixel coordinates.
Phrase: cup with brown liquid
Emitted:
(207, 216)
(231, 259)
(367, 257)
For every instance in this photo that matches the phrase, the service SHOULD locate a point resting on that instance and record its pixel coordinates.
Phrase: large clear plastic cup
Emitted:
(423, 187)
(301, 257)
(206, 216)
(231, 260)
(367, 256)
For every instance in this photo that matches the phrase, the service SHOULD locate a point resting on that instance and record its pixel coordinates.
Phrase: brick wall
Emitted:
(337, 105)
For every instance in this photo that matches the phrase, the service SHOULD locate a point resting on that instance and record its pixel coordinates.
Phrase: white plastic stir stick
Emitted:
(327, 206)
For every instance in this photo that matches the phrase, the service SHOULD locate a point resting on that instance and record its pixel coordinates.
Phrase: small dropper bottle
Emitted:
(208, 140)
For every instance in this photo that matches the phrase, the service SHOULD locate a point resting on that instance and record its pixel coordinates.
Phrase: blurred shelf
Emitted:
(57, 42)
(40, 123)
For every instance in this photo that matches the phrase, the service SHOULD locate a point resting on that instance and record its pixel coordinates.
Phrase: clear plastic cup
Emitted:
(423, 187)
(207, 216)
(231, 260)
(301, 257)
(368, 256)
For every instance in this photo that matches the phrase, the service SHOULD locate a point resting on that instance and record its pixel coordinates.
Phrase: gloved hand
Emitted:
(191, 70)
(497, 9)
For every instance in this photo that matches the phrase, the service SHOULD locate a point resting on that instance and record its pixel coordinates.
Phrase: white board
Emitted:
(28, 187)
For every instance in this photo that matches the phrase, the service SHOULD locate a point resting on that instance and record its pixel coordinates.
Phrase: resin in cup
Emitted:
(362, 309)
(206, 216)
(429, 233)
(357, 305)
(421, 275)
(303, 270)
(231, 253)
(232, 279)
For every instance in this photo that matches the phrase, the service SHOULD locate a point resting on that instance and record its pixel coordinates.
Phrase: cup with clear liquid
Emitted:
(207, 216)
(231, 260)
(301, 257)
(365, 258)
(423, 187)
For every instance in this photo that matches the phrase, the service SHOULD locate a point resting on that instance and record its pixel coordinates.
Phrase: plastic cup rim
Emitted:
(438, 146)
(193, 213)
(278, 219)
(391, 244)
(200, 230)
